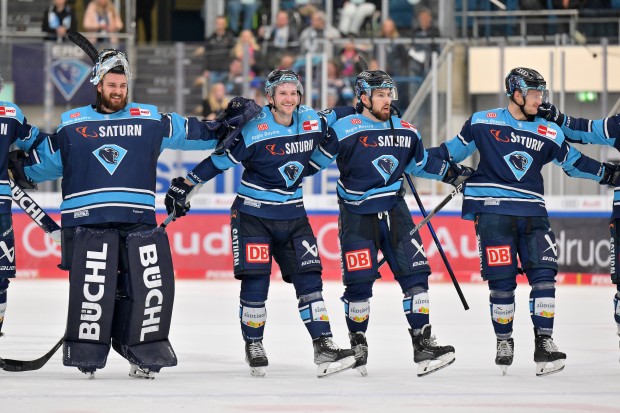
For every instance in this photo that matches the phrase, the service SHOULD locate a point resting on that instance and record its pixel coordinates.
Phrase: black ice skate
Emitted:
(545, 353)
(426, 351)
(505, 353)
(138, 372)
(329, 358)
(256, 357)
(90, 372)
(360, 346)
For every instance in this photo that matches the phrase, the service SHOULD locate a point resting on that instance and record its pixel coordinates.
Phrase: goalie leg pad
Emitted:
(144, 309)
(92, 279)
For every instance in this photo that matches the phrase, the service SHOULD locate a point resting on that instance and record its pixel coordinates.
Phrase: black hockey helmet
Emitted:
(279, 76)
(523, 79)
(368, 80)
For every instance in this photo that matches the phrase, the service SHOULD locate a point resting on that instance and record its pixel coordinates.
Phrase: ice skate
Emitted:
(90, 373)
(427, 354)
(505, 354)
(360, 346)
(138, 372)
(547, 357)
(256, 357)
(329, 358)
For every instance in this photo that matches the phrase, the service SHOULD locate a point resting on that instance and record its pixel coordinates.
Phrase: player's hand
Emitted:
(551, 113)
(176, 197)
(611, 174)
(457, 174)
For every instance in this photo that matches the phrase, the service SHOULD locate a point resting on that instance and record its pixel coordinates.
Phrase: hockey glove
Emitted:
(551, 113)
(611, 175)
(457, 174)
(176, 197)
(17, 161)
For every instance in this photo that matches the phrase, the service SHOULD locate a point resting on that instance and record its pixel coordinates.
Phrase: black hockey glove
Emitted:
(551, 113)
(17, 161)
(457, 174)
(176, 197)
(611, 175)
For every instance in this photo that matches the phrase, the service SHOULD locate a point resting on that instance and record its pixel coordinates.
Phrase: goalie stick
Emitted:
(28, 365)
(83, 43)
(34, 211)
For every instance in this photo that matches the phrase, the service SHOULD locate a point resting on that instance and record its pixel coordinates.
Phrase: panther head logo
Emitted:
(387, 165)
(110, 155)
(291, 171)
(519, 161)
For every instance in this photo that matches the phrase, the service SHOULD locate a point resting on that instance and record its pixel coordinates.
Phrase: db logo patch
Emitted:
(310, 125)
(499, 255)
(491, 115)
(6, 111)
(257, 253)
(358, 260)
(356, 121)
(407, 125)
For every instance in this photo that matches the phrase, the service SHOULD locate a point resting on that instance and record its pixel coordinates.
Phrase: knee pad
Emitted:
(410, 281)
(358, 292)
(92, 290)
(142, 317)
(307, 283)
(254, 288)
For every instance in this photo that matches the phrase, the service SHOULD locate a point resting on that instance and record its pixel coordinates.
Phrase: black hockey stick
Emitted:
(438, 244)
(29, 365)
(83, 43)
(34, 211)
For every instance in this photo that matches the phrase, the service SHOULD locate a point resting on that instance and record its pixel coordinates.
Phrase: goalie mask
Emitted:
(108, 60)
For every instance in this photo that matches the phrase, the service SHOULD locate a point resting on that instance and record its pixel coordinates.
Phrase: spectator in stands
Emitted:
(234, 79)
(354, 12)
(144, 10)
(534, 5)
(247, 46)
(102, 17)
(567, 5)
(349, 59)
(397, 60)
(215, 102)
(318, 29)
(420, 53)
(282, 38)
(58, 19)
(338, 87)
(217, 50)
(287, 61)
(249, 9)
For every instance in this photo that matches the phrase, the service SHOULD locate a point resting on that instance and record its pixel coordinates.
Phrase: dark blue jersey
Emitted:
(275, 159)
(14, 130)
(508, 178)
(371, 158)
(108, 162)
(600, 132)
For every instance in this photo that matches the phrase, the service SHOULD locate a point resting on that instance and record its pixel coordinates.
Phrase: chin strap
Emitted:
(529, 118)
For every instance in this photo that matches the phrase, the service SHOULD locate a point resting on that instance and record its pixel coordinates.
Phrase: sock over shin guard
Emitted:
(253, 316)
(416, 308)
(502, 307)
(357, 314)
(4, 285)
(542, 307)
(313, 313)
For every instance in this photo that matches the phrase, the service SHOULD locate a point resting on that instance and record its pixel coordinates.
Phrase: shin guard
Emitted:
(4, 285)
(253, 316)
(313, 313)
(92, 279)
(542, 307)
(357, 315)
(143, 313)
(502, 308)
(616, 308)
(416, 308)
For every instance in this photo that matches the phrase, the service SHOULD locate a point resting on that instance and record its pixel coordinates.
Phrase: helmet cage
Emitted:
(107, 60)
(367, 81)
(278, 77)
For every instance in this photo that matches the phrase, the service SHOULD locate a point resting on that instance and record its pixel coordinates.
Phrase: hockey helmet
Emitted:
(110, 60)
(374, 79)
(524, 79)
(279, 76)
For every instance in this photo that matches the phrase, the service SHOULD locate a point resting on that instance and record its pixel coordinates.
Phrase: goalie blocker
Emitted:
(121, 290)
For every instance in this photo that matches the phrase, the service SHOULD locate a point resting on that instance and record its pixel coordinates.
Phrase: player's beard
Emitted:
(380, 114)
(108, 105)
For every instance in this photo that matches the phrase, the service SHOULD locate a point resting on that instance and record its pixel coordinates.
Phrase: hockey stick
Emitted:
(34, 211)
(29, 365)
(83, 43)
(191, 194)
(438, 244)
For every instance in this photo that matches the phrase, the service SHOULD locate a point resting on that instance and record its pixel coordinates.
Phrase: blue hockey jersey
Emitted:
(508, 178)
(600, 132)
(372, 158)
(108, 162)
(14, 130)
(275, 159)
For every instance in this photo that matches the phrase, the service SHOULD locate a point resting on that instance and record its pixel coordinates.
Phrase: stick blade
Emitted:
(29, 365)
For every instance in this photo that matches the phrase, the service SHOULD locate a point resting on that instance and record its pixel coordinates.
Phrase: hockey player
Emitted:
(505, 199)
(119, 262)
(600, 132)
(14, 130)
(268, 219)
(373, 150)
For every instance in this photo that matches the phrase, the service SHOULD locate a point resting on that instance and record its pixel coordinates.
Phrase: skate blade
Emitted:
(334, 367)
(556, 367)
(425, 367)
(90, 375)
(504, 370)
(138, 373)
(257, 371)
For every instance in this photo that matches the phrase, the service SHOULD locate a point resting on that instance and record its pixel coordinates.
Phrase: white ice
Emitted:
(212, 375)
